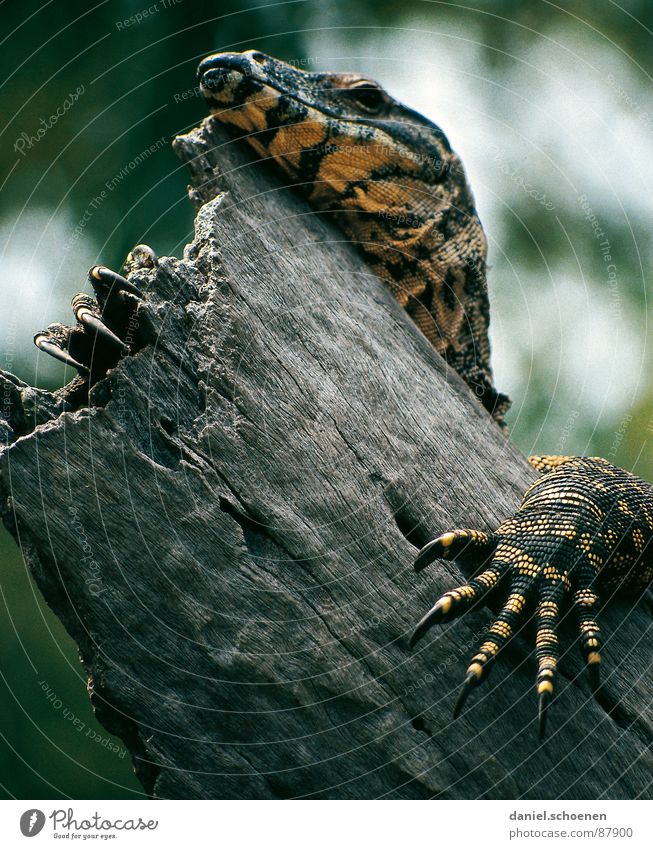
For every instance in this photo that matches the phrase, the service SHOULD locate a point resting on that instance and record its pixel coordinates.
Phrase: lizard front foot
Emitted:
(105, 330)
(584, 525)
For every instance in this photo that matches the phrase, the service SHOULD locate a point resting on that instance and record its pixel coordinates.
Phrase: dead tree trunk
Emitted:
(228, 530)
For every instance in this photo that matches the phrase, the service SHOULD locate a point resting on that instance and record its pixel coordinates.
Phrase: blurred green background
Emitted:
(551, 110)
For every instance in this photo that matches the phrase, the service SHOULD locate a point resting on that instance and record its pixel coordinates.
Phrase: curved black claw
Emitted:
(543, 702)
(115, 281)
(48, 342)
(88, 315)
(469, 683)
(432, 551)
(464, 544)
(594, 672)
(435, 616)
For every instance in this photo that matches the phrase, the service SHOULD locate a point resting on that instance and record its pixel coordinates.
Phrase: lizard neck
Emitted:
(430, 253)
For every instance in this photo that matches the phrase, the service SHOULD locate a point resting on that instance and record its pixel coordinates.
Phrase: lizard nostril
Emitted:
(257, 57)
(204, 66)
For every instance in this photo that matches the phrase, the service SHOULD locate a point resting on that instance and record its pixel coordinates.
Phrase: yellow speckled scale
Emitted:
(584, 526)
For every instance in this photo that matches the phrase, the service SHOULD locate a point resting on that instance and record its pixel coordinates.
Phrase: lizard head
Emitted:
(348, 144)
(388, 177)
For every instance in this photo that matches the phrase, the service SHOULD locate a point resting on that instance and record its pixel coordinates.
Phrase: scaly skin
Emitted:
(582, 528)
(389, 179)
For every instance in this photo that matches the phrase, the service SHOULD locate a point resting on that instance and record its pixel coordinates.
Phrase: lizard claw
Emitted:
(543, 701)
(464, 544)
(433, 550)
(48, 342)
(469, 683)
(102, 274)
(435, 616)
(88, 315)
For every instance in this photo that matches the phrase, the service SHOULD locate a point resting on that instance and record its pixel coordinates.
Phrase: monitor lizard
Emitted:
(390, 180)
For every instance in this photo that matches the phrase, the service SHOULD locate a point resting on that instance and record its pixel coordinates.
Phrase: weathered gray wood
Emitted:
(228, 533)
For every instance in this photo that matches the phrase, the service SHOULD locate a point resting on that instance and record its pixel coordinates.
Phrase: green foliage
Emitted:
(51, 745)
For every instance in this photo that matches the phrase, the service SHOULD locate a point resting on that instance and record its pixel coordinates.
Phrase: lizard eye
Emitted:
(367, 95)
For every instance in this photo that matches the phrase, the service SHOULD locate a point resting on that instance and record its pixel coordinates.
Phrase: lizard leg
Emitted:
(466, 545)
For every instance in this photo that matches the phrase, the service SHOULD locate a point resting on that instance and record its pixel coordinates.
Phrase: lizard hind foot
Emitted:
(584, 527)
(531, 585)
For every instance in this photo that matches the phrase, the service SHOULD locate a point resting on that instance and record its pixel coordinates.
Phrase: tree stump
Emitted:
(227, 531)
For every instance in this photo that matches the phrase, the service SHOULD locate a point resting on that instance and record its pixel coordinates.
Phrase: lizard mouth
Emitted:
(235, 80)
(286, 116)
(242, 91)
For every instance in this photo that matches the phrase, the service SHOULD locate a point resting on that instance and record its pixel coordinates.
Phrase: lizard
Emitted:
(392, 183)
(388, 178)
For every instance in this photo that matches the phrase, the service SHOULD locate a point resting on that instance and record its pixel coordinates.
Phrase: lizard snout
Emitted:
(214, 79)
(220, 64)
